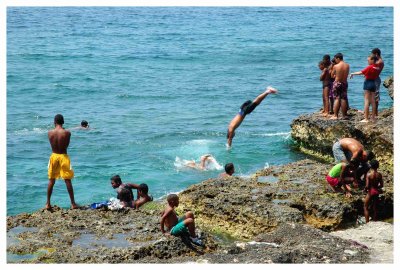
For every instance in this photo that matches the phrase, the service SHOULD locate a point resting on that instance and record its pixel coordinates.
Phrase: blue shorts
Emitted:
(339, 153)
(370, 85)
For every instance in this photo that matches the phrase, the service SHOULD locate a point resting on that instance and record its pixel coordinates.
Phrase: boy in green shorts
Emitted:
(175, 226)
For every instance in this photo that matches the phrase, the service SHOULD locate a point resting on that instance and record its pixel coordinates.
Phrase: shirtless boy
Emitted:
(373, 187)
(59, 163)
(124, 188)
(348, 149)
(325, 78)
(246, 109)
(175, 226)
(229, 170)
(340, 72)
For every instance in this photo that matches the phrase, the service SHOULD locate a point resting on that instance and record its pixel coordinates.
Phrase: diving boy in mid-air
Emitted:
(246, 109)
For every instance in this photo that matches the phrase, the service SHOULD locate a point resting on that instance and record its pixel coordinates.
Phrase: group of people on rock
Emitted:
(60, 167)
(357, 167)
(334, 75)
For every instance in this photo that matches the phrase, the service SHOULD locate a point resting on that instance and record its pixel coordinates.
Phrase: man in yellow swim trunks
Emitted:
(59, 163)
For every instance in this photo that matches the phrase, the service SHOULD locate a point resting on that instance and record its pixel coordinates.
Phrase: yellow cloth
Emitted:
(60, 166)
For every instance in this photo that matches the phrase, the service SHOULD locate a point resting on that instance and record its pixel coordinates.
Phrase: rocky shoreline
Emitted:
(282, 214)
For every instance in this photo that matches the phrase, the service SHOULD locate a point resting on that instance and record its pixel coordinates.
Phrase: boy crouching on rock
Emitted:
(175, 226)
(341, 176)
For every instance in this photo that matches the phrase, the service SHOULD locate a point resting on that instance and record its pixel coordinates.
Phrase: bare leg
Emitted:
(374, 203)
(71, 193)
(336, 106)
(261, 97)
(376, 108)
(331, 101)
(343, 107)
(366, 204)
(189, 223)
(373, 104)
(366, 104)
(49, 192)
(325, 100)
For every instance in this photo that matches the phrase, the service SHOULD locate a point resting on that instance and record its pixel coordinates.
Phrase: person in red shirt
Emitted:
(378, 80)
(371, 73)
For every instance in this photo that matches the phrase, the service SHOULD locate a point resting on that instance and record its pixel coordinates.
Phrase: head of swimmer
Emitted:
(229, 168)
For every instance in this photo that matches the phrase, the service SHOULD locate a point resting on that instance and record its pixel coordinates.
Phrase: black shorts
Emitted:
(370, 85)
(248, 108)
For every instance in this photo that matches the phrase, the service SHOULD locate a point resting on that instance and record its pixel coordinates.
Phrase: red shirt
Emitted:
(371, 72)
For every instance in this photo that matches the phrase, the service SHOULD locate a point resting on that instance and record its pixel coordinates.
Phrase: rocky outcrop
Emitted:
(389, 84)
(315, 135)
(295, 192)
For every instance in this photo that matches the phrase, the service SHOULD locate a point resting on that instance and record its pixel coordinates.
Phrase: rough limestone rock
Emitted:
(377, 236)
(315, 135)
(296, 192)
(93, 236)
(389, 84)
(129, 236)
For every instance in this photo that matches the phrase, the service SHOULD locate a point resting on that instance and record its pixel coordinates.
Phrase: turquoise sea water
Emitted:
(160, 83)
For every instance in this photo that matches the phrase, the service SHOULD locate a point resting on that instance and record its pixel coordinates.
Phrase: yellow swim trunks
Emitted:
(60, 166)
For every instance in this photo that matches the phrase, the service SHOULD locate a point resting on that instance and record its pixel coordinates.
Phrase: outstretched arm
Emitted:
(355, 73)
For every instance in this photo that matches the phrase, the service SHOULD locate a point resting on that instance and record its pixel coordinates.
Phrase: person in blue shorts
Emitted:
(178, 226)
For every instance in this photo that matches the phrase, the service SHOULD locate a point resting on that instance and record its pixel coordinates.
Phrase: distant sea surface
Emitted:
(160, 85)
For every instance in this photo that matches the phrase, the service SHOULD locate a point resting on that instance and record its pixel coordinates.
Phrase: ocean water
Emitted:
(159, 85)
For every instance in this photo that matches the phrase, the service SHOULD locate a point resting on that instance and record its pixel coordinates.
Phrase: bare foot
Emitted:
(360, 111)
(325, 114)
(271, 90)
(74, 206)
(333, 118)
(48, 206)
(364, 121)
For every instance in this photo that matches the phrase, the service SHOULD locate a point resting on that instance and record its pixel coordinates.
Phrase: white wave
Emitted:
(26, 131)
(210, 165)
(274, 134)
(200, 142)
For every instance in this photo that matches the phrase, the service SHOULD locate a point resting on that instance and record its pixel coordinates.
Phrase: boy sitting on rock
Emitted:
(175, 226)
(125, 194)
(341, 176)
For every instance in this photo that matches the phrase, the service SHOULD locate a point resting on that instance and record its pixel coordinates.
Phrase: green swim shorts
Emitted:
(179, 228)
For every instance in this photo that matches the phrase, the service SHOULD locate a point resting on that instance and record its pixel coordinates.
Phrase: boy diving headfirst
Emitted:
(245, 109)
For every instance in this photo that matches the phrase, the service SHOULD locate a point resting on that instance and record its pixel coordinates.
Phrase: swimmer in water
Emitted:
(205, 160)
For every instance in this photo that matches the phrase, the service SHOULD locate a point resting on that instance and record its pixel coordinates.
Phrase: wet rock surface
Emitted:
(247, 207)
(315, 134)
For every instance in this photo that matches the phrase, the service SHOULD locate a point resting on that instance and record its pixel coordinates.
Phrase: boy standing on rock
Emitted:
(59, 162)
(175, 226)
(373, 187)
